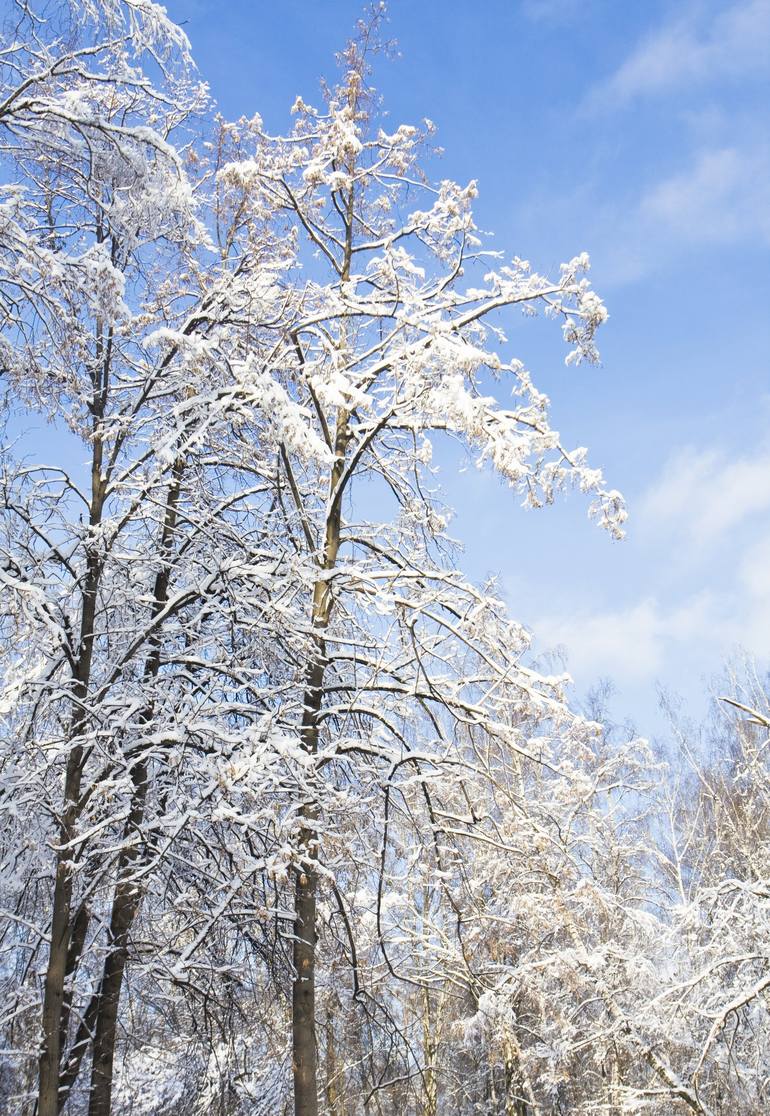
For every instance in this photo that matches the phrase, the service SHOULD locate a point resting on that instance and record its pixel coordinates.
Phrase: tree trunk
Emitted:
(429, 1052)
(332, 1090)
(53, 1000)
(303, 993)
(125, 904)
(128, 893)
(304, 1046)
(519, 1095)
(61, 962)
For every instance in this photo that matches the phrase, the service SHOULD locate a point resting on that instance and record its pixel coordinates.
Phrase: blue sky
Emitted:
(640, 133)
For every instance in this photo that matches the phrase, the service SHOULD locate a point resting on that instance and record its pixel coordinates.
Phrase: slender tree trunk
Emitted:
(53, 999)
(612, 1071)
(304, 1046)
(303, 991)
(78, 934)
(61, 962)
(125, 904)
(429, 1051)
(332, 1090)
(519, 1094)
(128, 893)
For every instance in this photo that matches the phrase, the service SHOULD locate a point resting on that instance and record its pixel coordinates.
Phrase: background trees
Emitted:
(281, 789)
(112, 570)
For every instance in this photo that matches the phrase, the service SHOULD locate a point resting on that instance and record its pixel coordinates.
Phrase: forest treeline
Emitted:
(290, 821)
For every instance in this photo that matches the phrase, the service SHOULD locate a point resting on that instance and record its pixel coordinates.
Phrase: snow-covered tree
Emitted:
(282, 791)
(114, 299)
(396, 343)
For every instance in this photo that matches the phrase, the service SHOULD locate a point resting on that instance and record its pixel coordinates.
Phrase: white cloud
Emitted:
(755, 570)
(724, 196)
(702, 495)
(690, 52)
(625, 643)
(753, 593)
(631, 644)
(553, 12)
(704, 533)
(720, 197)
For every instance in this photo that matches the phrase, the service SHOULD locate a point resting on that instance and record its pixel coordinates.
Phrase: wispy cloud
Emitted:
(702, 496)
(704, 527)
(693, 50)
(553, 12)
(724, 196)
(699, 174)
(635, 643)
(719, 198)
